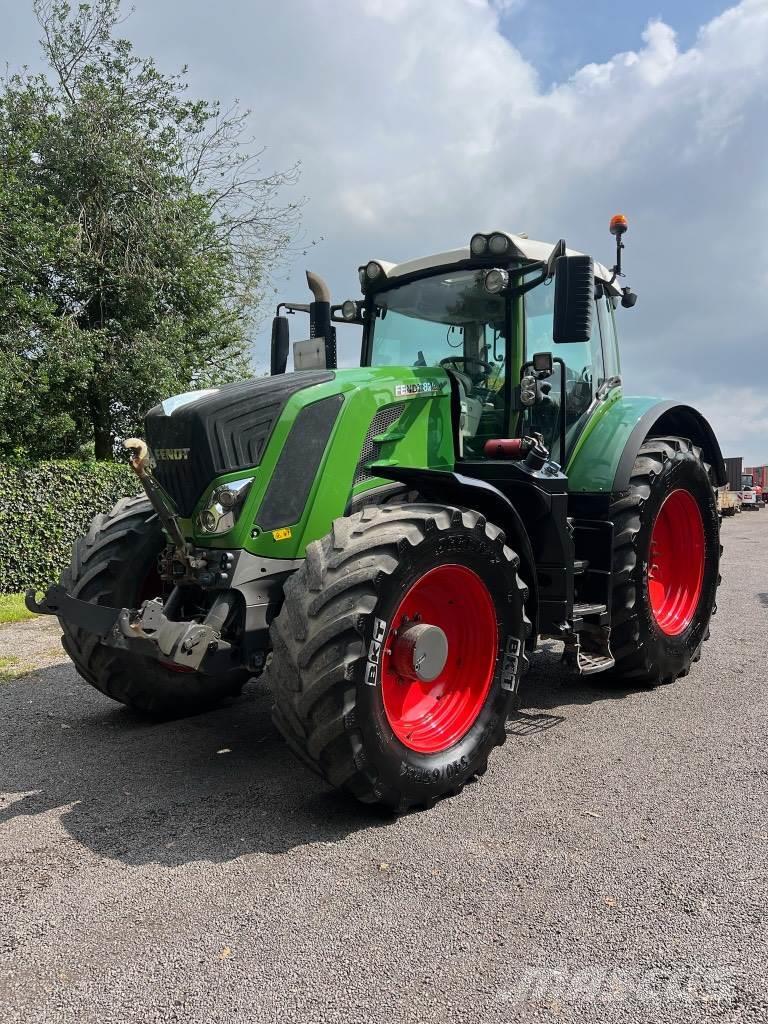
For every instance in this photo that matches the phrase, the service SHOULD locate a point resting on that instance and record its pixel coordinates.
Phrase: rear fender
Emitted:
(605, 453)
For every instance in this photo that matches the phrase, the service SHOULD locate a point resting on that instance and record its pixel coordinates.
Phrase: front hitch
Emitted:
(166, 513)
(184, 643)
(147, 631)
(94, 618)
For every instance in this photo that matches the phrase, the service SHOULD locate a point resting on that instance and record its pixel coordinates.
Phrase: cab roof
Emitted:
(522, 248)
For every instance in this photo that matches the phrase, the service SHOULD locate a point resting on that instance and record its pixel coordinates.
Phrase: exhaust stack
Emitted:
(318, 287)
(320, 325)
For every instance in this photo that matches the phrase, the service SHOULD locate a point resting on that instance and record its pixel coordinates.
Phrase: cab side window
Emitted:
(584, 368)
(606, 319)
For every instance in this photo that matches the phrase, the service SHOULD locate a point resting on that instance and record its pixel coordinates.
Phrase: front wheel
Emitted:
(398, 652)
(665, 562)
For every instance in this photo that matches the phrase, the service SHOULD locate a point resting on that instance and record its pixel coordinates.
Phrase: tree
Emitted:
(137, 234)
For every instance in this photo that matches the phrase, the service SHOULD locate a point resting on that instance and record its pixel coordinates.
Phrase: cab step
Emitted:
(590, 653)
(594, 614)
(588, 663)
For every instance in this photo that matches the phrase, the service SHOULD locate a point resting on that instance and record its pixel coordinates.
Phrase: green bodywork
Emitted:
(422, 437)
(595, 457)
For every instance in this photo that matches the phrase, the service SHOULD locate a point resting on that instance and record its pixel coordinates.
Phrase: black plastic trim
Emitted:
(226, 431)
(675, 420)
(293, 476)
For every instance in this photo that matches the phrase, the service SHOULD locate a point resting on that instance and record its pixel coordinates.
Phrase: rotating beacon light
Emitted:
(618, 226)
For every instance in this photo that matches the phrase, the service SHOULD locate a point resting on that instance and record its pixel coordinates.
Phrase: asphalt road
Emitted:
(611, 866)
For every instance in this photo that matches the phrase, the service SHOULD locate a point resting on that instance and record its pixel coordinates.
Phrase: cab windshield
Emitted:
(451, 321)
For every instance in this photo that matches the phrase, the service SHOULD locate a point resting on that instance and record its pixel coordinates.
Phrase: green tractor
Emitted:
(389, 543)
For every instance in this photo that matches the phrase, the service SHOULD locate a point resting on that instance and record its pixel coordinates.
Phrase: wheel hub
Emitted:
(420, 652)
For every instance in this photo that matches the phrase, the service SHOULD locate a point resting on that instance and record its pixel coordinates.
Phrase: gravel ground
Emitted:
(27, 646)
(611, 866)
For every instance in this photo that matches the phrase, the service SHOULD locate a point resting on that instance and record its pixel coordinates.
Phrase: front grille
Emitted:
(370, 451)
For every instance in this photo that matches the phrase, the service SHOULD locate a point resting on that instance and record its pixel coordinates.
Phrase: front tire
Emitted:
(398, 652)
(115, 565)
(665, 562)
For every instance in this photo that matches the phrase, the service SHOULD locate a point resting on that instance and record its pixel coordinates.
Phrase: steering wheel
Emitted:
(486, 367)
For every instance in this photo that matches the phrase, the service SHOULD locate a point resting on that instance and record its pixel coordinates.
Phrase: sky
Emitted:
(418, 122)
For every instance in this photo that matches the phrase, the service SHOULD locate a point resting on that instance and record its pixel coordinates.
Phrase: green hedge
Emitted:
(44, 506)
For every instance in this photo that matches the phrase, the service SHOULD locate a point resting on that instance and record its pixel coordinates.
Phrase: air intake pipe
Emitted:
(320, 325)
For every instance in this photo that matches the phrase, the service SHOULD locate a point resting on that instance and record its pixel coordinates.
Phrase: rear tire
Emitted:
(655, 632)
(111, 566)
(336, 639)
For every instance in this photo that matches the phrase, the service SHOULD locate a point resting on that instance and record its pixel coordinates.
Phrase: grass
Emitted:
(9, 668)
(12, 608)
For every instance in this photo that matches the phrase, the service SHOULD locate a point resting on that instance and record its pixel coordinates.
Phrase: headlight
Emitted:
(498, 244)
(495, 281)
(223, 506)
(349, 309)
(478, 245)
(373, 270)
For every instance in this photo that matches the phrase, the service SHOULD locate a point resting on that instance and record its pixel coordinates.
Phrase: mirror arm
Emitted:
(521, 289)
(292, 307)
(558, 250)
(561, 417)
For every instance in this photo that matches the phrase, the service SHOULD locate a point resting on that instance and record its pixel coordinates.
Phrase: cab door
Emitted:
(585, 372)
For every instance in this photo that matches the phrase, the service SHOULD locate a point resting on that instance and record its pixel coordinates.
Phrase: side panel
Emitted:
(605, 453)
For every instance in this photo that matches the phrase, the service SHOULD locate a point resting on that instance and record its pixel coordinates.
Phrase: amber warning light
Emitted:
(618, 226)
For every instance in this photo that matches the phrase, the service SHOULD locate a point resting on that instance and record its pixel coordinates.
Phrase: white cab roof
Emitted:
(523, 248)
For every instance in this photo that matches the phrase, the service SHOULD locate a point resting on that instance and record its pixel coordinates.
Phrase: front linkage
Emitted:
(148, 631)
(151, 630)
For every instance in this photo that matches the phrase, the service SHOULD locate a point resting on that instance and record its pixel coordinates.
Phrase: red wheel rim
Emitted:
(428, 717)
(676, 562)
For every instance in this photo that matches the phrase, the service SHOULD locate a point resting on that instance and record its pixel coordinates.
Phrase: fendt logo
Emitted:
(425, 387)
(171, 454)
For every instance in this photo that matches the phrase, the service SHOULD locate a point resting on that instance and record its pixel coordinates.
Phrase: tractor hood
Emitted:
(196, 437)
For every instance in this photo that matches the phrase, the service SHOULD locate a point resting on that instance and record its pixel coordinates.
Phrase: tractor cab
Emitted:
(482, 313)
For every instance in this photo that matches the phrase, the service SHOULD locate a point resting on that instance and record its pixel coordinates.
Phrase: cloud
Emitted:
(425, 124)
(418, 122)
(741, 416)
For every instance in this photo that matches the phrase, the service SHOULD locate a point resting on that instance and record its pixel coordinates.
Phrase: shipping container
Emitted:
(733, 471)
(759, 475)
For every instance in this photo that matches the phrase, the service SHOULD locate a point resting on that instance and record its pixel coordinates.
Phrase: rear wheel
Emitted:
(398, 652)
(115, 564)
(665, 564)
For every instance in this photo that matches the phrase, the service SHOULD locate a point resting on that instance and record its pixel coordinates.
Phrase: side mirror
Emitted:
(278, 354)
(574, 295)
